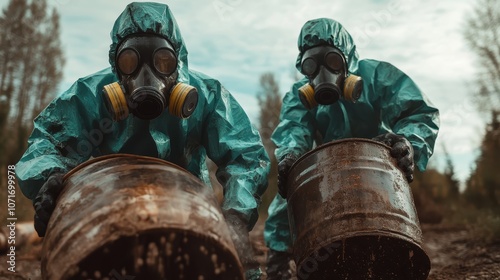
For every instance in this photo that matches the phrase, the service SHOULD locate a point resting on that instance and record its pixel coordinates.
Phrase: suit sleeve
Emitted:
(236, 147)
(294, 134)
(407, 111)
(57, 142)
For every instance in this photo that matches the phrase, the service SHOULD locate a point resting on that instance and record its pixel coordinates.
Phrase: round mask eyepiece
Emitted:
(164, 61)
(327, 93)
(127, 61)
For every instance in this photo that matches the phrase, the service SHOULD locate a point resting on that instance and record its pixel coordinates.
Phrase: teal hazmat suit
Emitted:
(390, 103)
(76, 125)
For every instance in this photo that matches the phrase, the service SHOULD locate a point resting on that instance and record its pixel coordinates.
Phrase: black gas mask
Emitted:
(326, 68)
(146, 66)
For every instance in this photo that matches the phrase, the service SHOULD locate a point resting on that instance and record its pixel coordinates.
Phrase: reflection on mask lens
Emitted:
(334, 61)
(165, 61)
(309, 66)
(127, 61)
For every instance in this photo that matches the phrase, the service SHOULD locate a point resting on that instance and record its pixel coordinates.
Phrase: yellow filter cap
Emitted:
(117, 103)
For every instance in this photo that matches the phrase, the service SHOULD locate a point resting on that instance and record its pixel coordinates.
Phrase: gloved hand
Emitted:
(45, 202)
(283, 169)
(239, 234)
(401, 150)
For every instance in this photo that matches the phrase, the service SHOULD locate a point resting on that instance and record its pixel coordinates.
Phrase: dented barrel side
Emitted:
(352, 215)
(125, 215)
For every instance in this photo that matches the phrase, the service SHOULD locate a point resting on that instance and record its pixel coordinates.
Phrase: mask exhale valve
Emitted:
(147, 103)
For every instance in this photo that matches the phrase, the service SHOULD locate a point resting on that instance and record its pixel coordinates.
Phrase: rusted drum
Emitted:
(352, 215)
(131, 217)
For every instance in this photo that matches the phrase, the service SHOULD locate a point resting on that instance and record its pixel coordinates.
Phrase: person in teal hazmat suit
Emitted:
(148, 103)
(341, 97)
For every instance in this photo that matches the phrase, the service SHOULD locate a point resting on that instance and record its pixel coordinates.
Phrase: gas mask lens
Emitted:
(309, 67)
(164, 61)
(128, 61)
(334, 62)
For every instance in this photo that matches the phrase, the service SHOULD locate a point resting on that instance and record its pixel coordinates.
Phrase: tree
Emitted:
(483, 37)
(449, 173)
(269, 100)
(483, 186)
(31, 63)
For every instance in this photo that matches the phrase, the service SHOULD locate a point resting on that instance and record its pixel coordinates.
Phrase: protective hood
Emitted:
(323, 31)
(152, 18)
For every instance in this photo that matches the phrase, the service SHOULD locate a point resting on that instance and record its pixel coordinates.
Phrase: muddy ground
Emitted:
(454, 253)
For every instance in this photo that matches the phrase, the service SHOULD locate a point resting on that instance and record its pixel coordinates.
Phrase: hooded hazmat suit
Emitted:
(390, 103)
(76, 126)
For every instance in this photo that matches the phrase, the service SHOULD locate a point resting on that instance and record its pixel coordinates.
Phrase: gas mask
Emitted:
(326, 68)
(146, 66)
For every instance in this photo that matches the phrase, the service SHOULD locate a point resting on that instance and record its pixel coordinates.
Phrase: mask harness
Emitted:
(326, 68)
(146, 66)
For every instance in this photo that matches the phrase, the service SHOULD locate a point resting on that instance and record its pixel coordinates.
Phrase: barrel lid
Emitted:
(122, 155)
(337, 142)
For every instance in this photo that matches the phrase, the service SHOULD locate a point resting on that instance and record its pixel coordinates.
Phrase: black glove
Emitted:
(402, 151)
(283, 169)
(45, 202)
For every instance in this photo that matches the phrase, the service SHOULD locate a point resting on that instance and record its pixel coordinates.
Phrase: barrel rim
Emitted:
(421, 250)
(336, 142)
(114, 238)
(122, 155)
(368, 233)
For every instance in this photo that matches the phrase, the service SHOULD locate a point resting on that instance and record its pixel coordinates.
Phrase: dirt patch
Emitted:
(27, 266)
(454, 254)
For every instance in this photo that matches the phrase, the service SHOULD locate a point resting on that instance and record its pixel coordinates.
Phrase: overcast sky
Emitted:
(235, 41)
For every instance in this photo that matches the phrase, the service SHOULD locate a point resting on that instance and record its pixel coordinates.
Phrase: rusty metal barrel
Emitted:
(352, 215)
(133, 217)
